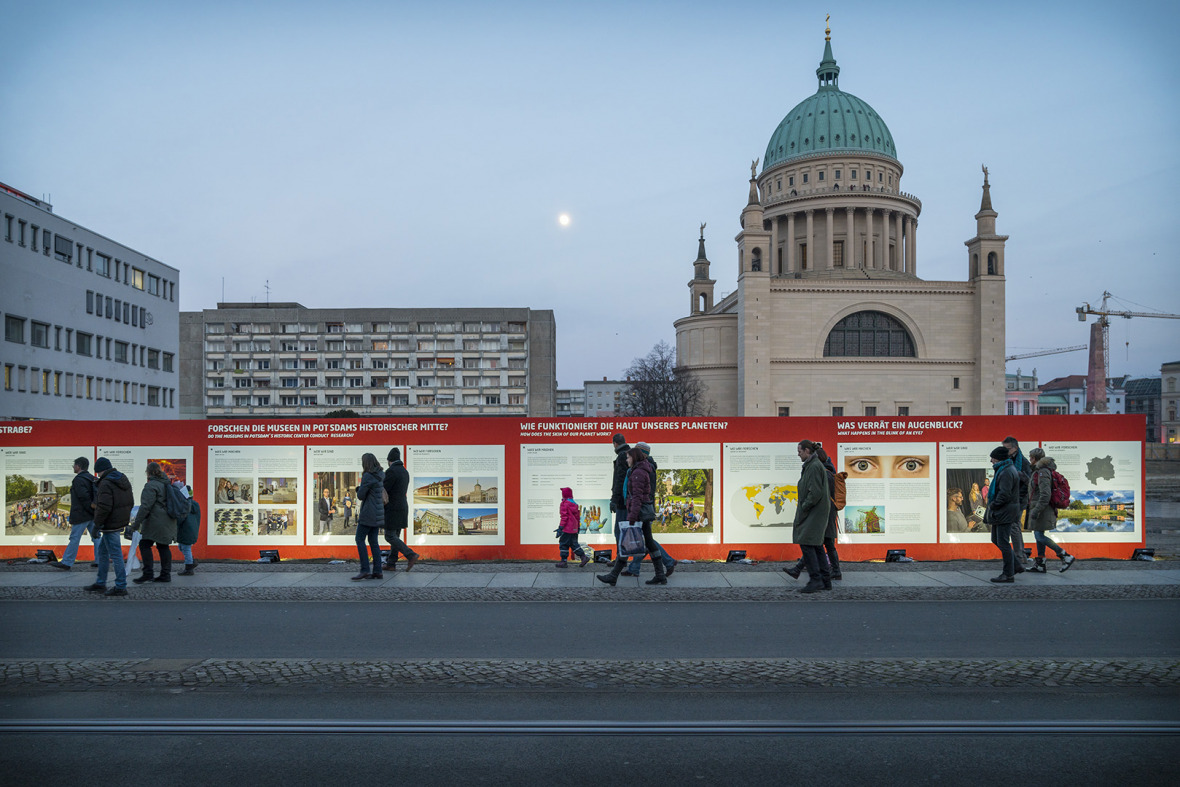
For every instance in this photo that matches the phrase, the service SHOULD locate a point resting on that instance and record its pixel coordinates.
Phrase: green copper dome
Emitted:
(829, 121)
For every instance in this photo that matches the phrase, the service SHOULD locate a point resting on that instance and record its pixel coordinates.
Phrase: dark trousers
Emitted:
(816, 561)
(569, 543)
(145, 556)
(1018, 540)
(365, 533)
(1002, 538)
(397, 547)
(653, 549)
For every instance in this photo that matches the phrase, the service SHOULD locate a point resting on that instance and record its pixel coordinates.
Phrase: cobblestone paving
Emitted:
(26, 675)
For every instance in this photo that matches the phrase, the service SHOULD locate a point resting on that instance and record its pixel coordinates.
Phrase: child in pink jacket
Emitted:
(570, 522)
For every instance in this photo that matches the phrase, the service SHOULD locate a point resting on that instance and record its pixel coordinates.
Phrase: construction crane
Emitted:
(1098, 371)
(1038, 353)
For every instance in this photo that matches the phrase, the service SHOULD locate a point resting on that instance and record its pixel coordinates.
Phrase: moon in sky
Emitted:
(564, 219)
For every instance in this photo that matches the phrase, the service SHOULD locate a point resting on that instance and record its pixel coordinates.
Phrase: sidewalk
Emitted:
(695, 576)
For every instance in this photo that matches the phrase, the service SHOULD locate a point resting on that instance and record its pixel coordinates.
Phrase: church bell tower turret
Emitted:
(701, 285)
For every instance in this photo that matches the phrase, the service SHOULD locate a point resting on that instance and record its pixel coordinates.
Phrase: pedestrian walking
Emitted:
(637, 494)
(156, 528)
(83, 490)
(187, 533)
(570, 523)
(636, 562)
(371, 518)
(397, 510)
(1024, 473)
(811, 517)
(1042, 516)
(1003, 509)
(832, 531)
(113, 502)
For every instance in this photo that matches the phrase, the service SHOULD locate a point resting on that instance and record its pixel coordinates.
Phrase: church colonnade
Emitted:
(883, 239)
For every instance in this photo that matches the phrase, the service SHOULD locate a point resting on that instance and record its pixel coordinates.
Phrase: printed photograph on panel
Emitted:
(232, 521)
(233, 491)
(336, 503)
(434, 522)
(175, 469)
(684, 501)
(479, 522)
(966, 499)
(1098, 511)
(37, 503)
(277, 490)
(438, 489)
(863, 466)
(864, 519)
(596, 517)
(474, 490)
(277, 522)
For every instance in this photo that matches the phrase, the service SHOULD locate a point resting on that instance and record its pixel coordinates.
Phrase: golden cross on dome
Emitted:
(828, 31)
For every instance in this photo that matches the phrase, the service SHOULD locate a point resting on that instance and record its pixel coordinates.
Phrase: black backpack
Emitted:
(176, 504)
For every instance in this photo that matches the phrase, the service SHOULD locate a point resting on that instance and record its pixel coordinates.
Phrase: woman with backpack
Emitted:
(371, 518)
(156, 528)
(1042, 515)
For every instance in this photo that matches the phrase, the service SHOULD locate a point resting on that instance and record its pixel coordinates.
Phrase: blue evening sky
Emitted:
(418, 154)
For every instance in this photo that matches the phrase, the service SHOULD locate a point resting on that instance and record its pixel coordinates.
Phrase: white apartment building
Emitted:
(571, 402)
(604, 398)
(91, 327)
(286, 360)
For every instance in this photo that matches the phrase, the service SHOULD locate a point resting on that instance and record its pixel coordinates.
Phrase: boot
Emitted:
(1038, 566)
(188, 570)
(585, 560)
(661, 577)
(794, 571)
(613, 576)
(563, 564)
(148, 575)
(836, 572)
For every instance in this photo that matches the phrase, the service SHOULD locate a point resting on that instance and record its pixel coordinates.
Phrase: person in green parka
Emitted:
(811, 517)
(187, 531)
(155, 526)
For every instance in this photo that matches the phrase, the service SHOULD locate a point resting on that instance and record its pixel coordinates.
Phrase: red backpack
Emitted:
(1059, 490)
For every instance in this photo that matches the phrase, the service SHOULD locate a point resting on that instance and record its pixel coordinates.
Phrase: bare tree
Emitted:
(658, 388)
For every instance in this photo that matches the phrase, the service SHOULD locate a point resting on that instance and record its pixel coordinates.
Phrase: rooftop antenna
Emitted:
(267, 287)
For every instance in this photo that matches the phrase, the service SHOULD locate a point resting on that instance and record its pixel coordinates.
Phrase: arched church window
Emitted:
(869, 334)
(756, 259)
(991, 263)
(974, 264)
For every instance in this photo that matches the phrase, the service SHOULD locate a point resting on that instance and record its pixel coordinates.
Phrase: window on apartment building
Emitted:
(85, 342)
(355, 382)
(262, 401)
(955, 383)
(39, 335)
(903, 410)
(870, 411)
(137, 278)
(956, 411)
(838, 411)
(121, 352)
(153, 359)
(153, 396)
(14, 329)
(309, 364)
(153, 285)
(104, 265)
(380, 363)
(784, 412)
(491, 398)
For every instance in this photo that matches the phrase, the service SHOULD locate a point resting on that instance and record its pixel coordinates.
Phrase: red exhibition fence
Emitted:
(488, 488)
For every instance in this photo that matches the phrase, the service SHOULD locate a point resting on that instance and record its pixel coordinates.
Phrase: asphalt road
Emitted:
(364, 630)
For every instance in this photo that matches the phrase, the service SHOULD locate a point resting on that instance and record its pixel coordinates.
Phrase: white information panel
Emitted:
(36, 494)
(761, 481)
(333, 474)
(966, 480)
(1104, 484)
(891, 493)
(455, 495)
(587, 469)
(255, 494)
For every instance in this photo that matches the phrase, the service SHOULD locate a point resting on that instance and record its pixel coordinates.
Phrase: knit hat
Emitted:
(394, 455)
(102, 465)
(82, 462)
(999, 453)
(618, 439)
(644, 447)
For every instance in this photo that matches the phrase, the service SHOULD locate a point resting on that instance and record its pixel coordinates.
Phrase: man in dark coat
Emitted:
(325, 515)
(811, 517)
(112, 512)
(1003, 509)
(397, 511)
(82, 492)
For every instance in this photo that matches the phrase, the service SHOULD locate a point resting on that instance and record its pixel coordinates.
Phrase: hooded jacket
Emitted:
(1003, 496)
(640, 489)
(571, 520)
(372, 513)
(1041, 515)
(113, 502)
(616, 489)
(152, 521)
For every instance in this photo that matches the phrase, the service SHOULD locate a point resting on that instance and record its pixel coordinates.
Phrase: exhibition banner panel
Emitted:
(489, 488)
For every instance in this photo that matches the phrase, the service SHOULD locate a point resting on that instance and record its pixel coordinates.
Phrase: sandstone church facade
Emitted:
(829, 316)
